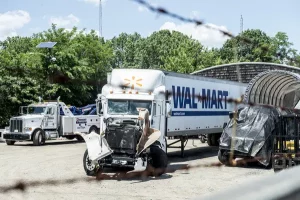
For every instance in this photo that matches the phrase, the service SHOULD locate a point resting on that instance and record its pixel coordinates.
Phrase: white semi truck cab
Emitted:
(172, 100)
(48, 120)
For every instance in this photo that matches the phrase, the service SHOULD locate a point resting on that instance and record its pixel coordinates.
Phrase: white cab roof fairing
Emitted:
(146, 97)
(141, 80)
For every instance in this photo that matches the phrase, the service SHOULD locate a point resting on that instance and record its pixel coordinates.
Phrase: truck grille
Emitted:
(123, 139)
(16, 124)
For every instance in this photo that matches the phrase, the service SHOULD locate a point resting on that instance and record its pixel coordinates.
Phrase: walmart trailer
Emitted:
(174, 101)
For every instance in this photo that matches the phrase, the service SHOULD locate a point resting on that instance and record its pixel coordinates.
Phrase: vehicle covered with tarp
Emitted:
(251, 128)
(250, 133)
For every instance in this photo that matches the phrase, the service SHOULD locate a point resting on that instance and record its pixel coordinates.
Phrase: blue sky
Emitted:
(23, 17)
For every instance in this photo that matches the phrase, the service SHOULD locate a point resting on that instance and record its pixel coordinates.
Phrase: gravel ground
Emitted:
(63, 159)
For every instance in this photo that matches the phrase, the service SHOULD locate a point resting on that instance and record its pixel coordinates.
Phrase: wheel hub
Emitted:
(89, 164)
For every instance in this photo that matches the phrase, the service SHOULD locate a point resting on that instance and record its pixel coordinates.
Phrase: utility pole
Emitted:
(241, 24)
(100, 18)
(100, 35)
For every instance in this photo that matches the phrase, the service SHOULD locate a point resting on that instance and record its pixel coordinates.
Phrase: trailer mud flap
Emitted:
(97, 149)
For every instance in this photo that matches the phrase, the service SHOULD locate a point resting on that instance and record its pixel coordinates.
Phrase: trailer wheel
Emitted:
(10, 142)
(89, 168)
(224, 159)
(202, 138)
(38, 138)
(212, 139)
(158, 161)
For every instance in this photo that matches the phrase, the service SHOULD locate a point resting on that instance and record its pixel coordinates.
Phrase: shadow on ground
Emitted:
(193, 154)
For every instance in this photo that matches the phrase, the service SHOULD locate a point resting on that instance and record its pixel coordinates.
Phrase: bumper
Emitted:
(117, 161)
(16, 136)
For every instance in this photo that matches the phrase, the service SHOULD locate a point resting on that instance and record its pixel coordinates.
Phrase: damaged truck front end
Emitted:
(127, 142)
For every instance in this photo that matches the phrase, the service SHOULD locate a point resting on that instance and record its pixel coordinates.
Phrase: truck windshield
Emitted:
(36, 109)
(128, 107)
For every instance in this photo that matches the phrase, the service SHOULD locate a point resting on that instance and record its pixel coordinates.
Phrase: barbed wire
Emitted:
(160, 10)
(140, 175)
(100, 176)
(24, 185)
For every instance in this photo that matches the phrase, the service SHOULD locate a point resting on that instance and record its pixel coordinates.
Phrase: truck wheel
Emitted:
(70, 137)
(10, 142)
(79, 138)
(202, 138)
(158, 160)
(95, 129)
(38, 138)
(224, 159)
(210, 140)
(89, 168)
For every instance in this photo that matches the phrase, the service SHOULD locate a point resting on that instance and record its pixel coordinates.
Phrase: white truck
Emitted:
(48, 120)
(173, 102)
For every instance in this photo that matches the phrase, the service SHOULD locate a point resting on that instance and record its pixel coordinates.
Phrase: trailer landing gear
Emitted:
(183, 141)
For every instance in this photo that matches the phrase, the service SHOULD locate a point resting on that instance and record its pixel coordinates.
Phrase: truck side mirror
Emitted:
(100, 109)
(168, 109)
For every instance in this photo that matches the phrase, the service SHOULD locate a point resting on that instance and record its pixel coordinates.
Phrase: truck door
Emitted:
(156, 114)
(50, 121)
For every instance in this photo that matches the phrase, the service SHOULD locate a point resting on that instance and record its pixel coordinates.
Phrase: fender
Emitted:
(96, 145)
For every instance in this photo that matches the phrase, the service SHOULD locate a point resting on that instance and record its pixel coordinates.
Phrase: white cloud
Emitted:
(142, 8)
(11, 21)
(208, 37)
(68, 21)
(195, 14)
(95, 2)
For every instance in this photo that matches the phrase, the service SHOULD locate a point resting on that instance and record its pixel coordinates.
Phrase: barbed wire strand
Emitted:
(160, 10)
(141, 175)
(24, 185)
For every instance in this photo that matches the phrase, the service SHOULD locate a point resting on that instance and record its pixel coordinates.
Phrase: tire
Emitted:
(10, 142)
(212, 139)
(95, 129)
(158, 161)
(38, 138)
(70, 137)
(89, 168)
(202, 138)
(79, 138)
(224, 159)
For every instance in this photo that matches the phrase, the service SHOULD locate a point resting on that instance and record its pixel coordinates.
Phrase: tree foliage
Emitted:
(75, 69)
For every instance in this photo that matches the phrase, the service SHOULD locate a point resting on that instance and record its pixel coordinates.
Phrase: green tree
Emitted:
(250, 46)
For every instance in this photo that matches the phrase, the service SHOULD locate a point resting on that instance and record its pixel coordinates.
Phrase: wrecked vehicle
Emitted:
(251, 133)
(127, 143)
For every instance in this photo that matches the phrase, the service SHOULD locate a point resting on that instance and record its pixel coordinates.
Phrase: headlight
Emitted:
(27, 129)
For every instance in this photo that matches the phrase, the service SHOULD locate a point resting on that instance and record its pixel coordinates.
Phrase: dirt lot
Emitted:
(63, 159)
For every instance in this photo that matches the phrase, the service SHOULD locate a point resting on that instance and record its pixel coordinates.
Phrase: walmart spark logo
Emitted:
(133, 82)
